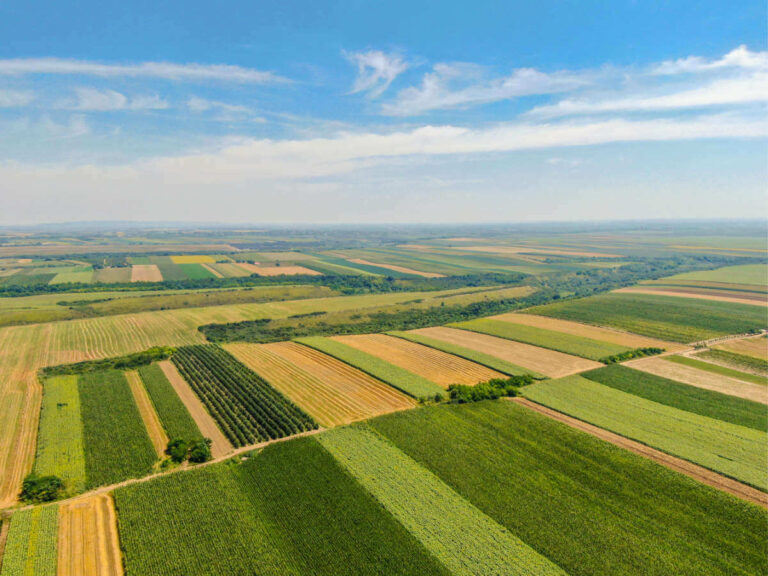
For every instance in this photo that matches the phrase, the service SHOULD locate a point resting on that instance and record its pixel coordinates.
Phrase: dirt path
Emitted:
(88, 540)
(219, 443)
(147, 410)
(3, 538)
(696, 472)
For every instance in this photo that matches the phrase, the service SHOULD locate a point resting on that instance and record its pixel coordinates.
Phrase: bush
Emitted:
(630, 354)
(38, 489)
(177, 449)
(490, 390)
(200, 451)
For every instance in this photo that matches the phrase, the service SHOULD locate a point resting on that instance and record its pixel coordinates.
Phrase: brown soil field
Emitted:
(212, 270)
(219, 443)
(402, 269)
(229, 270)
(756, 347)
(719, 296)
(330, 391)
(587, 331)
(147, 410)
(439, 367)
(698, 473)
(62, 249)
(701, 378)
(88, 541)
(547, 362)
(279, 270)
(531, 250)
(113, 274)
(146, 273)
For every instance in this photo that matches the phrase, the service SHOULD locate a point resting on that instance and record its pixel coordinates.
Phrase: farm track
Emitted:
(703, 475)
(220, 445)
(88, 538)
(439, 367)
(148, 414)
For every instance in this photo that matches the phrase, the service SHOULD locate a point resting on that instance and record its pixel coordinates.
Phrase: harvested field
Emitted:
(205, 422)
(212, 270)
(696, 472)
(193, 259)
(395, 268)
(279, 270)
(148, 415)
(229, 270)
(88, 540)
(110, 275)
(702, 379)
(331, 391)
(547, 362)
(714, 295)
(588, 331)
(756, 347)
(146, 273)
(439, 367)
(717, 367)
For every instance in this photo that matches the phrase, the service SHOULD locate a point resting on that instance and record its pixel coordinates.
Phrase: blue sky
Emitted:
(360, 111)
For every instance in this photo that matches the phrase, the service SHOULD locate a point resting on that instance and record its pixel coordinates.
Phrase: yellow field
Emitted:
(330, 391)
(438, 367)
(193, 259)
(26, 349)
(88, 542)
(756, 347)
(146, 273)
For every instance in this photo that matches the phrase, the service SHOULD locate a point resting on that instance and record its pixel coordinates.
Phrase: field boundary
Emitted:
(698, 473)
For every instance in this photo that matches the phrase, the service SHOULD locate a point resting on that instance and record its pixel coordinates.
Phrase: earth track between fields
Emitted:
(694, 471)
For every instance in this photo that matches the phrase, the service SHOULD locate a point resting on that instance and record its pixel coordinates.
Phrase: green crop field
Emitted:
(168, 268)
(116, 442)
(754, 274)
(195, 271)
(405, 381)
(174, 416)
(82, 274)
(31, 545)
(462, 537)
(475, 356)
(302, 491)
(756, 365)
(247, 408)
(559, 341)
(60, 433)
(732, 450)
(678, 395)
(717, 369)
(663, 317)
(590, 507)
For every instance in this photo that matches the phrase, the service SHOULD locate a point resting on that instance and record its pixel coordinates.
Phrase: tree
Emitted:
(38, 489)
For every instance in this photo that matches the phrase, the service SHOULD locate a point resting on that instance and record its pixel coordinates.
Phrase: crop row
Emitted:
(31, 544)
(247, 408)
(174, 416)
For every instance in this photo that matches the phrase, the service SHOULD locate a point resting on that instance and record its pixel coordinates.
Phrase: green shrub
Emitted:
(37, 489)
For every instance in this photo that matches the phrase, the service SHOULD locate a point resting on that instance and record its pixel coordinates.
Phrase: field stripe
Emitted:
(146, 409)
(205, 422)
(703, 475)
(462, 537)
(88, 539)
(759, 300)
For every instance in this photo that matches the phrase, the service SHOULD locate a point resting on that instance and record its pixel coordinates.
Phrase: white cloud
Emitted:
(375, 71)
(92, 100)
(460, 85)
(163, 70)
(740, 57)
(15, 98)
(722, 92)
(196, 104)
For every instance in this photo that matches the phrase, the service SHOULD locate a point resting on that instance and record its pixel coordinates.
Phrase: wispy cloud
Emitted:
(376, 70)
(460, 85)
(92, 100)
(196, 104)
(15, 98)
(162, 70)
(740, 57)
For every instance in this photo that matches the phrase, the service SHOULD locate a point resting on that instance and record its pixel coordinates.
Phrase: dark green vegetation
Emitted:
(717, 369)
(689, 398)
(757, 365)
(664, 317)
(590, 507)
(490, 390)
(116, 442)
(630, 354)
(128, 362)
(174, 416)
(196, 451)
(277, 513)
(36, 489)
(247, 409)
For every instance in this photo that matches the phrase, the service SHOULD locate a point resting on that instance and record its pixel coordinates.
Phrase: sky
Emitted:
(359, 111)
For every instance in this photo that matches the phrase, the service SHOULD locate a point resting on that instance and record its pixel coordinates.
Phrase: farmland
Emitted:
(331, 391)
(174, 416)
(717, 369)
(462, 537)
(663, 317)
(561, 342)
(588, 506)
(753, 347)
(88, 540)
(31, 545)
(404, 380)
(247, 409)
(438, 367)
(115, 440)
(732, 450)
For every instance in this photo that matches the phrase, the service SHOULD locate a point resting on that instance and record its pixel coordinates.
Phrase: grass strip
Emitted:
(717, 369)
